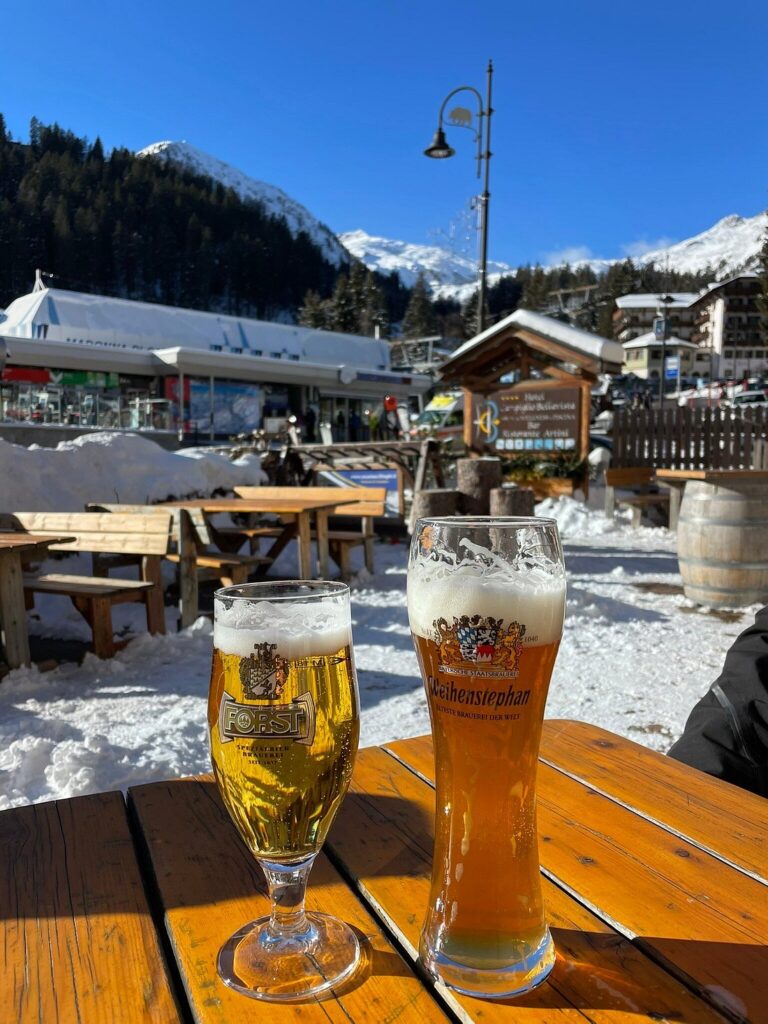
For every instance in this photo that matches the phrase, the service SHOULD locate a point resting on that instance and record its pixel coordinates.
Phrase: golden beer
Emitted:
(486, 645)
(283, 764)
(284, 723)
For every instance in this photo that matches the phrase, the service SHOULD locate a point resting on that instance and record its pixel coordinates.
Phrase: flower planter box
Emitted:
(553, 487)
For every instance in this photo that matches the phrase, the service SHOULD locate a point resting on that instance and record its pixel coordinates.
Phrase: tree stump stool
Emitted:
(475, 479)
(512, 501)
(439, 502)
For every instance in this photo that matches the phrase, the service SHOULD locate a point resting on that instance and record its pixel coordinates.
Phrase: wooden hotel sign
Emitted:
(537, 417)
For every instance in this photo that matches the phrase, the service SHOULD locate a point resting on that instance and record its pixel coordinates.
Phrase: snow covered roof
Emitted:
(717, 285)
(594, 345)
(652, 300)
(57, 315)
(53, 327)
(650, 339)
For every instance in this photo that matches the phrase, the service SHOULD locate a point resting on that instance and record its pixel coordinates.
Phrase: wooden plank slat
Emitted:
(60, 583)
(721, 818)
(383, 840)
(78, 940)
(209, 888)
(701, 918)
(107, 532)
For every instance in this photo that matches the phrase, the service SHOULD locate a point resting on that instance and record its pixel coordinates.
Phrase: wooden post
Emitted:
(188, 598)
(13, 614)
(476, 478)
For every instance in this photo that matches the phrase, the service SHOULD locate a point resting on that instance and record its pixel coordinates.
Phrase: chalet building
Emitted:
(76, 360)
(634, 315)
(643, 357)
(728, 324)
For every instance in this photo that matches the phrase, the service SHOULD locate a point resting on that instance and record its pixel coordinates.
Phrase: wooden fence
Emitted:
(682, 438)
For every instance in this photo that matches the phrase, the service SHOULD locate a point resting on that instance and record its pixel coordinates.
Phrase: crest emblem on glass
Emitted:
(284, 721)
(486, 599)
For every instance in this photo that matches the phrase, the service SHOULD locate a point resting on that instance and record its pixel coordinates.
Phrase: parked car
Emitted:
(748, 399)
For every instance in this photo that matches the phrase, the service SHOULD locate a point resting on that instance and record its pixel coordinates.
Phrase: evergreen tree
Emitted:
(419, 319)
(374, 309)
(343, 313)
(314, 311)
(536, 290)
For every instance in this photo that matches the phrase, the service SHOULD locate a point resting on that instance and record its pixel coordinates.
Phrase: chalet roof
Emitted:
(650, 300)
(546, 341)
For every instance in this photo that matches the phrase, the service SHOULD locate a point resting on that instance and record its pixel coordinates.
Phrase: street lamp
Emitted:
(439, 149)
(665, 301)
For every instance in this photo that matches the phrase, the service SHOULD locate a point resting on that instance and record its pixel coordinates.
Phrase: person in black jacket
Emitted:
(726, 734)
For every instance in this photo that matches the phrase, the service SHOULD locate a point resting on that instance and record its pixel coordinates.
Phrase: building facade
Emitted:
(634, 315)
(89, 361)
(728, 324)
(645, 356)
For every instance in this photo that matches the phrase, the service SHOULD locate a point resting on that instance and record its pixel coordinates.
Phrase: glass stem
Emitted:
(287, 888)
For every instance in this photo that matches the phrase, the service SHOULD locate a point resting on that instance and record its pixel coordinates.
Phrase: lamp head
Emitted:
(439, 148)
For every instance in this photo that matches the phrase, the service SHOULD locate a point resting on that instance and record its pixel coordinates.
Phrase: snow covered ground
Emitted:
(635, 656)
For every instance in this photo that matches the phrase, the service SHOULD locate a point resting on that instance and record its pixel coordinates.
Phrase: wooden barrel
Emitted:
(722, 543)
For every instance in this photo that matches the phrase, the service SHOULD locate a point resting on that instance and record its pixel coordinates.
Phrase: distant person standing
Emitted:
(391, 423)
(354, 425)
(310, 422)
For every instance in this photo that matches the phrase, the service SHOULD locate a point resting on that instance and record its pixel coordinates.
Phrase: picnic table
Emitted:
(676, 479)
(655, 880)
(302, 505)
(15, 549)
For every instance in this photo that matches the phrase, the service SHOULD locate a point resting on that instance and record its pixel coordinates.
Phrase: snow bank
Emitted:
(114, 467)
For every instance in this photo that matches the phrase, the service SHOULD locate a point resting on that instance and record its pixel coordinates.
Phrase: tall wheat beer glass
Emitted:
(284, 721)
(485, 601)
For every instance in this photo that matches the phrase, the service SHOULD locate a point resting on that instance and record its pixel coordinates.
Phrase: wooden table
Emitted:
(16, 548)
(301, 506)
(676, 479)
(655, 878)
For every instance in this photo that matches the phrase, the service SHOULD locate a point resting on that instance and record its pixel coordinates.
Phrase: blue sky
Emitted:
(616, 124)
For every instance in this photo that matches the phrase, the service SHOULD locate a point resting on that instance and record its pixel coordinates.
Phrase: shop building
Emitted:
(75, 360)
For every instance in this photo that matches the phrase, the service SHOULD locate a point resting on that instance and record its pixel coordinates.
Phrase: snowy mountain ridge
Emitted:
(730, 245)
(447, 273)
(278, 203)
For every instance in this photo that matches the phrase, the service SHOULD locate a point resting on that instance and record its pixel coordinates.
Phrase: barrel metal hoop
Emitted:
(711, 563)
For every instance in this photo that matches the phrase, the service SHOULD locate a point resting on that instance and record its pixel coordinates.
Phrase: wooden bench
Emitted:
(640, 480)
(146, 539)
(230, 568)
(370, 503)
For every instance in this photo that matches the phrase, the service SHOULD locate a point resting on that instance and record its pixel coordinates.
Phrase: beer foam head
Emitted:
(300, 628)
(533, 596)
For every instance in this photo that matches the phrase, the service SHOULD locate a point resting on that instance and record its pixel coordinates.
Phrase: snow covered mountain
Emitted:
(731, 244)
(447, 273)
(277, 202)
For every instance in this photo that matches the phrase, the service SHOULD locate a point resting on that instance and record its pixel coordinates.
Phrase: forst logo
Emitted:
(294, 721)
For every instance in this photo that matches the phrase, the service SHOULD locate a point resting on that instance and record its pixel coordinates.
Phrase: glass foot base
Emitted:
(491, 981)
(264, 965)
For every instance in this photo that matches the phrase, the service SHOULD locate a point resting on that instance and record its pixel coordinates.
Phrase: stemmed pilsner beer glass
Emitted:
(485, 600)
(284, 721)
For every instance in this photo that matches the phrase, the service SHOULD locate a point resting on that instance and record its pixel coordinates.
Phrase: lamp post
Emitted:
(439, 149)
(664, 303)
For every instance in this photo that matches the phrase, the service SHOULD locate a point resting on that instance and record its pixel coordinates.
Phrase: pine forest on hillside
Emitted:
(141, 229)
